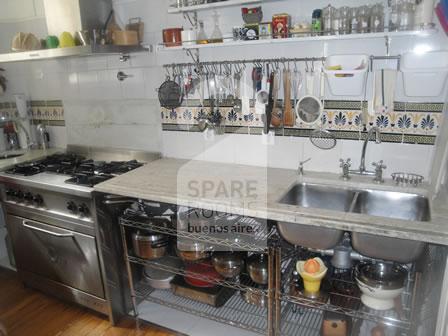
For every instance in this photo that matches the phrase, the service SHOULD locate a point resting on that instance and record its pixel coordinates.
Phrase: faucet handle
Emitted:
(301, 163)
(345, 165)
(379, 167)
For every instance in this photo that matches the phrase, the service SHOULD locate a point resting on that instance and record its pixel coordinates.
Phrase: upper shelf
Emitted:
(69, 52)
(214, 5)
(232, 43)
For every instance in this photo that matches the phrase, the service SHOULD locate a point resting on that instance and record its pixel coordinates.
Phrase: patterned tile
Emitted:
(40, 110)
(408, 123)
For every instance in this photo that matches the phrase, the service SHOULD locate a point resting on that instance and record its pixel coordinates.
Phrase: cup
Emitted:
(52, 42)
(188, 37)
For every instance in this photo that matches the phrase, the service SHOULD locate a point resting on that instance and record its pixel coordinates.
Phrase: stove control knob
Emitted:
(83, 210)
(28, 197)
(38, 200)
(10, 192)
(71, 206)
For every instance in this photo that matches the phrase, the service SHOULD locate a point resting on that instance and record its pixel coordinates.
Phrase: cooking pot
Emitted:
(149, 245)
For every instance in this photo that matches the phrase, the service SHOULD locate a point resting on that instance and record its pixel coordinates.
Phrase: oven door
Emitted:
(58, 254)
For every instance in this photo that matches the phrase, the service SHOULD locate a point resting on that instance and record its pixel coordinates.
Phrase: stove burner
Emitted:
(82, 171)
(88, 180)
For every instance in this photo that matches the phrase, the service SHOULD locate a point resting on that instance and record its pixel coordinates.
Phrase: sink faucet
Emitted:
(300, 169)
(362, 167)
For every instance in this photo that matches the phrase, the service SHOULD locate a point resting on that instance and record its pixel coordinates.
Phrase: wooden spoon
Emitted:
(288, 114)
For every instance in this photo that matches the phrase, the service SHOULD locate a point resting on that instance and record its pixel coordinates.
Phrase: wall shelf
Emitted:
(215, 5)
(291, 40)
(69, 52)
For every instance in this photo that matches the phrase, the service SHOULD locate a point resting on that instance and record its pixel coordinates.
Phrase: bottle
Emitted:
(377, 18)
(327, 19)
(344, 20)
(202, 36)
(354, 21)
(316, 23)
(336, 22)
(394, 16)
(363, 19)
(216, 36)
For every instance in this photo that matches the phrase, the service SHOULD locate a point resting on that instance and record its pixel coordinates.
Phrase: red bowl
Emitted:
(205, 269)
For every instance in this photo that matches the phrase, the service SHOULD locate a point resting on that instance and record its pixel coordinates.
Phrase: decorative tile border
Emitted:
(408, 123)
(41, 110)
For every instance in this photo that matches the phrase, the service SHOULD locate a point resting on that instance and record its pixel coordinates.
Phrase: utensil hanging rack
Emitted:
(286, 62)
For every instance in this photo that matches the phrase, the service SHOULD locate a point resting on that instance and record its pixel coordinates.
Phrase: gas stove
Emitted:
(50, 200)
(82, 171)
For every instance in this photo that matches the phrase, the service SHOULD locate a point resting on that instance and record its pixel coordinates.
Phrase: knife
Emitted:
(270, 105)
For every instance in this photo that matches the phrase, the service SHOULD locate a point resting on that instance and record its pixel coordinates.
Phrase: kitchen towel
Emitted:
(384, 90)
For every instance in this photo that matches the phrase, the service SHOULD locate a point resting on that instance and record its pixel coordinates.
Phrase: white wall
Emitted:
(102, 111)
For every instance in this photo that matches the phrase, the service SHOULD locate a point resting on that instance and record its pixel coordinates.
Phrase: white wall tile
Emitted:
(134, 86)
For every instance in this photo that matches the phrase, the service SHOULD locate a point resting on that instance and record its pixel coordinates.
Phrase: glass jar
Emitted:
(363, 19)
(327, 19)
(201, 35)
(407, 14)
(316, 23)
(336, 22)
(354, 21)
(216, 36)
(344, 20)
(377, 18)
(394, 15)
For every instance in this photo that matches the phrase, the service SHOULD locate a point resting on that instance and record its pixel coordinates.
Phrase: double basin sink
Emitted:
(384, 204)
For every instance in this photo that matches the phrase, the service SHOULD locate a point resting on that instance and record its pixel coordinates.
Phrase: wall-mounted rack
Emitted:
(177, 67)
(214, 5)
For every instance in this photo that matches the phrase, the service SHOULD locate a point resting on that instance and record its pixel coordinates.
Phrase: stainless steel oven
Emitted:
(56, 254)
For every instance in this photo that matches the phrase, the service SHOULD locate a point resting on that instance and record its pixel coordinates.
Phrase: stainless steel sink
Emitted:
(396, 205)
(9, 156)
(378, 203)
(319, 196)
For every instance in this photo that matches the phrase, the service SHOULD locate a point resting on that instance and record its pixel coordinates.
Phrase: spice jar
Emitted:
(377, 18)
(327, 18)
(344, 20)
(336, 22)
(407, 13)
(394, 15)
(354, 21)
(363, 19)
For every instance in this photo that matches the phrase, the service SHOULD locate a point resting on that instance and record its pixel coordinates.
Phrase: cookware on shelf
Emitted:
(149, 245)
(205, 269)
(254, 297)
(381, 283)
(189, 250)
(159, 279)
(228, 264)
(257, 267)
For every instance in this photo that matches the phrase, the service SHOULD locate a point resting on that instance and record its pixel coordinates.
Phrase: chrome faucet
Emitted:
(300, 169)
(362, 167)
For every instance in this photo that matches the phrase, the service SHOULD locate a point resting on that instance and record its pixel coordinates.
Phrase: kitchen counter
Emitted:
(255, 191)
(30, 155)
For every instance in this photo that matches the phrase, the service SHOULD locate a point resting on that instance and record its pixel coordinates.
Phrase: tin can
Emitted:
(265, 30)
(280, 26)
(250, 32)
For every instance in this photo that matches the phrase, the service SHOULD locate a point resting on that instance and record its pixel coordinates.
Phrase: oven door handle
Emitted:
(55, 234)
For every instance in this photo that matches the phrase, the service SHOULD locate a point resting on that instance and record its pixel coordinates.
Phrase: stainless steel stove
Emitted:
(50, 216)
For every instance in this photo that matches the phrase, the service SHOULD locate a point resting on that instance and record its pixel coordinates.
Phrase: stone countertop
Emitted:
(255, 191)
(28, 155)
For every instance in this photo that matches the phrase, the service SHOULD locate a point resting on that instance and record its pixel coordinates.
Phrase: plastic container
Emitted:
(425, 75)
(346, 74)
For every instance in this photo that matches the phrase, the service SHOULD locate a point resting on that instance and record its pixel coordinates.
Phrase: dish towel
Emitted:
(384, 91)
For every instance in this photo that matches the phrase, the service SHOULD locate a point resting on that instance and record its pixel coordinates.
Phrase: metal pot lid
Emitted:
(385, 275)
(154, 273)
(149, 236)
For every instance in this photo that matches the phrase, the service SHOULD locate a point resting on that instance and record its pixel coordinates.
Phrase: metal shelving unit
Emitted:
(235, 312)
(346, 304)
(288, 313)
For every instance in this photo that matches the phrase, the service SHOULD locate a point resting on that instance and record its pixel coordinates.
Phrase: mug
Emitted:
(52, 42)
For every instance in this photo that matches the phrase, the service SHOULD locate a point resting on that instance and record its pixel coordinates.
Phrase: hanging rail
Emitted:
(275, 60)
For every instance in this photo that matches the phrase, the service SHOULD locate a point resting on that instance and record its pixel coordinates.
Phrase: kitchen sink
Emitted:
(9, 156)
(319, 196)
(396, 205)
(387, 204)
